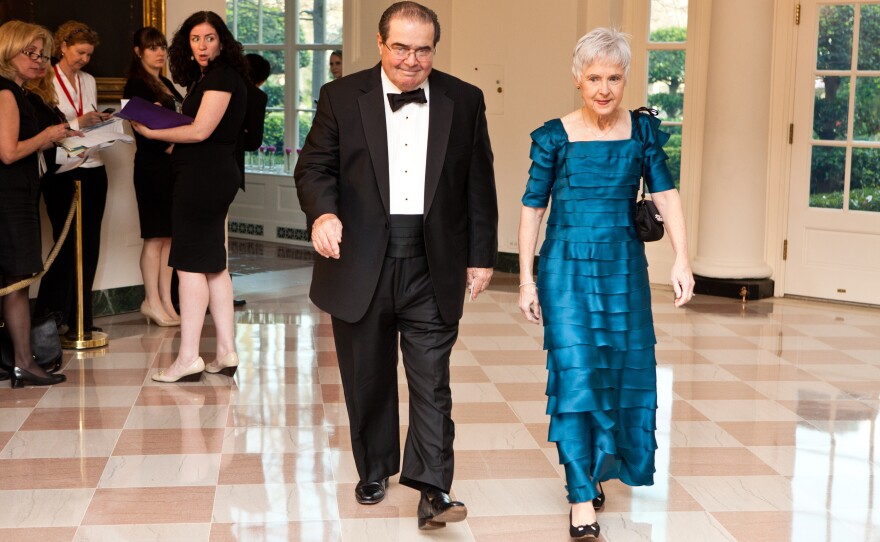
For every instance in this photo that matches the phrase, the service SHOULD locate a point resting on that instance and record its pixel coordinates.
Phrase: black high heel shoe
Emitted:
(583, 532)
(599, 501)
(19, 377)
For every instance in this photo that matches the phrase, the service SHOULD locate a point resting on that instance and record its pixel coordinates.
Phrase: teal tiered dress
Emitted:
(596, 302)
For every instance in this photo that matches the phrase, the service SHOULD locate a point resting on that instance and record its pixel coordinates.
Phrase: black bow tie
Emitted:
(413, 96)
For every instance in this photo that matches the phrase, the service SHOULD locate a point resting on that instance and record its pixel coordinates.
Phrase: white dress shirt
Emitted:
(407, 130)
(88, 91)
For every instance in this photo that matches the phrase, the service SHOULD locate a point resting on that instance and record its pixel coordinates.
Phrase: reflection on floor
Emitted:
(767, 430)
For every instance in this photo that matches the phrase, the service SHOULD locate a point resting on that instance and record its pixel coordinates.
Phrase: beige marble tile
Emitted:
(695, 526)
(61, 444)
(13, 418)
(297, 531)
(276, 468)
(51, 473)
(21, 398)
(510, 357)
(812, 357)
(542, 496)
(717, 461)
(104, 377)
(400, 502)
(128, 471)
(696, 390)
(38, 534)
(282, 415)
(47, 419)
(177, 417)
(530, 411)
(269, 503)
(506, 374)
(482, 413)
(169, 441)
(502, 464)
(842, 372)
(475, 393)
(191, 532)
(151, 505)
(36, 508)
(183, 396)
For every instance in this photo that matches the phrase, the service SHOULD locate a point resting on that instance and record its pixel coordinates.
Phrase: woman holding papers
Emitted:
(78, 100)
(206, 59)
(152, 176)
(23, 49)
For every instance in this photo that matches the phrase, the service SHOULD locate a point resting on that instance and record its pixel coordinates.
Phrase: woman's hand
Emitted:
(57, 132)
(141, 129)
(90, 118)
(682, 281)
(529, 304)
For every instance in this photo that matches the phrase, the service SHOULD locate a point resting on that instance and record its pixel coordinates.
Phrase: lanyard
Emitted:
(79, 111)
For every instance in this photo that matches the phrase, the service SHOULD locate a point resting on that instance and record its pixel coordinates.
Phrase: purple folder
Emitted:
(154, 117)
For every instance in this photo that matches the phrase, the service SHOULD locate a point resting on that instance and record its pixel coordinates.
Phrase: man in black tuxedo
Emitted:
(399, 156)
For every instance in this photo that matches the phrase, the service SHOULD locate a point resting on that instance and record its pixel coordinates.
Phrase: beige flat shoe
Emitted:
(227, 365)
(193, 373)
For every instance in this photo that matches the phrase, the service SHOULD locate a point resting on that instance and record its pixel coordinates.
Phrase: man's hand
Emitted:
(478, 280)
(326, 235)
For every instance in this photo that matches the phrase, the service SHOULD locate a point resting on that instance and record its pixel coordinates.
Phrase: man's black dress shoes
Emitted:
(370, 492)
(436, 509)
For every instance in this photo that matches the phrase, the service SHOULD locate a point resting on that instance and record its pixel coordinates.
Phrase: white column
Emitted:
(733, 190)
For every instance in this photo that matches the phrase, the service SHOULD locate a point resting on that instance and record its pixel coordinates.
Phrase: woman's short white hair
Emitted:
(605, 44)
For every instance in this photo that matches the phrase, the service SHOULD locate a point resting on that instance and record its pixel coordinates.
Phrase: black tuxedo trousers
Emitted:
(403, 307)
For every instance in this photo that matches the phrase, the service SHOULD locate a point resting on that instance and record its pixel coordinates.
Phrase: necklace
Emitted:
(599, 135)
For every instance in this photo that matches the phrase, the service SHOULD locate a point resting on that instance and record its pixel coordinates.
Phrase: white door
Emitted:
(834, 206)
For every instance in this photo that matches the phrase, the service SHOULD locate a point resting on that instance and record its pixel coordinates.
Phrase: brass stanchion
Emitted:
(97, 339)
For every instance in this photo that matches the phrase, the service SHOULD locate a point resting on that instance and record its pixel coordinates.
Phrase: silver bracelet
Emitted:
(527, 283)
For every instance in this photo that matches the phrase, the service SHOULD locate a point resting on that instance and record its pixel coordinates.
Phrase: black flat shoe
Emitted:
(583, 532)
(599, 501)
(370, 492)
(20, 377)
(436, 509)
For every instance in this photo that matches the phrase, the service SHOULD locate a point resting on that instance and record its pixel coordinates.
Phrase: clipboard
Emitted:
(154, 117)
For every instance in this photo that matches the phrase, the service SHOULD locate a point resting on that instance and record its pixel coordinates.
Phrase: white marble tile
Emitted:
(493, 436)
(93, 396)
(189, 532)
(481, 392)
(401, 530)
(744, 410)
(12, 418)
(509, 374)
(44, 507)
(739, 493)
(530, 411)
(276, 440)
(512, 497)
(61, 444)
(177, 417)
(267, 503)
(161, 470)
(700, 434)
(663, 527)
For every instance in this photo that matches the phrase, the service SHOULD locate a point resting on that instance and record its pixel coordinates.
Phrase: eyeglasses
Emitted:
(35, 56)
(400, 52)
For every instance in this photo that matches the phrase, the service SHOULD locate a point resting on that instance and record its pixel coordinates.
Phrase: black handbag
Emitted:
(649, 221)
(45, 345)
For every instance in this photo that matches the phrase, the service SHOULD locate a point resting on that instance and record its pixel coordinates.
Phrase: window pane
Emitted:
(835, 38)
(864, 194)
(273, 22)
(869, 37)
(666, 83)
(304, 124)
(673, 149)
(831, 107)
(867, 115)
(666, 14)
(247, 21)
(314, 71)
(320, 21)
(826, 177)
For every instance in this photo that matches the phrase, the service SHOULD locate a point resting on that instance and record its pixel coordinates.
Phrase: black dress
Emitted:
(207, 177)
(20, 250)
(152, 167)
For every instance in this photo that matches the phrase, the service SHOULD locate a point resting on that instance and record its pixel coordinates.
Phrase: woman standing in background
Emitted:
(152, 176)
(78, 100)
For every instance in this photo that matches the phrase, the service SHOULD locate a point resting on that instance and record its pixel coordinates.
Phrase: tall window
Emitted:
(296, 37)
(667, 38)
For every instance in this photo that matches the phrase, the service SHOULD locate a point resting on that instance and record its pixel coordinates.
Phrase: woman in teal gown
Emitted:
(592, 290)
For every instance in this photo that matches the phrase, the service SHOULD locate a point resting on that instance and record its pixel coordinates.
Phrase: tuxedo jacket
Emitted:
(343, 169)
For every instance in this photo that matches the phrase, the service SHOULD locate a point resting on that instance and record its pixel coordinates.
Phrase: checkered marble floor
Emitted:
(767, 432)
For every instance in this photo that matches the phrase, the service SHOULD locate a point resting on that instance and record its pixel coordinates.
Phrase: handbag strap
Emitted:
(643, 186)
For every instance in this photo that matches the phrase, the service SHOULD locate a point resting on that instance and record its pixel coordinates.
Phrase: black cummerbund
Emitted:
(407, 237)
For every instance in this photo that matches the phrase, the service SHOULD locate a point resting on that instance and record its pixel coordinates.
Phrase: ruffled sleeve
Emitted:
(546, 142)
(657, 174)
